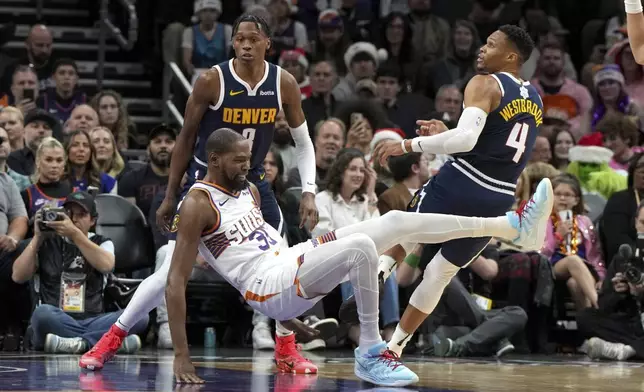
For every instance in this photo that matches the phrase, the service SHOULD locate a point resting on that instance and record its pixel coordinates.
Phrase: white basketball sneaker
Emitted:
(531, 218)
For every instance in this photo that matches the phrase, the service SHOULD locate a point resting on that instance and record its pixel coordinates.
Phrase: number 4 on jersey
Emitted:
(517, 139)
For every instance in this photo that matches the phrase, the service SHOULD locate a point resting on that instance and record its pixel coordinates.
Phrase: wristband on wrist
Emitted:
(402, 145)
(412, 260)
(633, 6)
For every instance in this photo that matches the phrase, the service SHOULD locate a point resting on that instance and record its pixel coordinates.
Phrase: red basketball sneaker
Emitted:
(288, 358)
(104, 349)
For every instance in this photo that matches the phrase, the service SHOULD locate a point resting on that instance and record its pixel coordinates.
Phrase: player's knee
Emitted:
(440, 271)
(365, 248)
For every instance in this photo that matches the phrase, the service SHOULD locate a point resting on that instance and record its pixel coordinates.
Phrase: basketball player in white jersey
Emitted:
(220, 218)
(635, 28)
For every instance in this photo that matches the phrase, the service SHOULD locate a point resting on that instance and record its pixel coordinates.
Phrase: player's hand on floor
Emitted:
(430, 127)
(300, 328)
(308, 211)
(184, 371)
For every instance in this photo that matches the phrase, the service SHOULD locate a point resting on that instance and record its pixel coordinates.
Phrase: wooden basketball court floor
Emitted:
(243, 370)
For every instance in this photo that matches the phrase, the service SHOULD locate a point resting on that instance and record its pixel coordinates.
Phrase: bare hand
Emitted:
(7, 243)
(564, 228)
(636, 290)
(308, 211)
(300, 328)
(26, 105)
(386, 149)
(370, 178)
(358, 132)
(165, 212)
(184, 371)
(619, 283)
(430, 127)
(64, 228)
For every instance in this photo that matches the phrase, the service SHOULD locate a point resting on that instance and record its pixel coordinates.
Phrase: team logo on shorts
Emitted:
(175, 224)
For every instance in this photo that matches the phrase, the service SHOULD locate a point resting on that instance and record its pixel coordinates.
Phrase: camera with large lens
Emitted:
(633, 272)
(49, 214)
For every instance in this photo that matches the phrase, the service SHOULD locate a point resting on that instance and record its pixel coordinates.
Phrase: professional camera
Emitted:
(50, 214)
(634, 272)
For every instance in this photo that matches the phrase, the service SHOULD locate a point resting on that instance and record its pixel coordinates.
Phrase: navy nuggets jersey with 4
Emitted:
(504, 146)
(248, 111)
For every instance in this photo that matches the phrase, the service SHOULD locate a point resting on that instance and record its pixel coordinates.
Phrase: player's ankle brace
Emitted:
(633, 6)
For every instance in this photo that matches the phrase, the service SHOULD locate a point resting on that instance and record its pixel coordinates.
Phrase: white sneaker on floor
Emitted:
(262, 337)
(327, 327)
(54, 344)
(164, 340)
(601, 349)
(130, 345)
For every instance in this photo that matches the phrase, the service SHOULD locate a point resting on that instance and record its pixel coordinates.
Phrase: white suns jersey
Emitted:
(241, 239)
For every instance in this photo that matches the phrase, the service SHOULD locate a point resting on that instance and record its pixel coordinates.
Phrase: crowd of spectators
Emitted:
(367, 70)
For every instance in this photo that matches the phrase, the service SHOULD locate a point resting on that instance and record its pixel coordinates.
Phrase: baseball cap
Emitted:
(84, 200)
(163, 129)
(41, 115)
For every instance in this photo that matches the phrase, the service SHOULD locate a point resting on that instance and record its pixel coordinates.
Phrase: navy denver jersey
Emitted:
(504, 146)
(251, 112)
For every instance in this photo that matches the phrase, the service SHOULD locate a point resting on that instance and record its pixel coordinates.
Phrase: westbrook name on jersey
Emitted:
(249, 111)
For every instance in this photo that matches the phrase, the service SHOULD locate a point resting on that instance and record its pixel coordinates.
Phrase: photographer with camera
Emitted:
(615, 329)
(71, 263)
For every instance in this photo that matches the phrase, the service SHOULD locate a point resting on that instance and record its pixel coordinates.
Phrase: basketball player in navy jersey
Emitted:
(243, 94)
(490, 145)
(635, 28)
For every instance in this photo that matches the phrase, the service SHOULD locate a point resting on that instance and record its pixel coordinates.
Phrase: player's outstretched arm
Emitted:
(482, 95)
(192, 222)
(304, 151)
(635, 28)
(205, 92)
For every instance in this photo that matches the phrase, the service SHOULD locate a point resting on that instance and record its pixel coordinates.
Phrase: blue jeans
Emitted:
(390, 303)
(50, 319)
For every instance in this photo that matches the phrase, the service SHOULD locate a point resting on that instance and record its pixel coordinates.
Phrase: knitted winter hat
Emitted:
(608, 72)
(296, 54)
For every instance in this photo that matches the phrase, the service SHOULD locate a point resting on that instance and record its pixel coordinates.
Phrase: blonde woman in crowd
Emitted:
(107, 154)
(12, 120)
(113, 116)
(82, 169)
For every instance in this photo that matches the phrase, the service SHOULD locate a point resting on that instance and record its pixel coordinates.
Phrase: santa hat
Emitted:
(378, 55)
(608, 72)
(590, 154)
(592, 139)
(296, 54)
(387, 134)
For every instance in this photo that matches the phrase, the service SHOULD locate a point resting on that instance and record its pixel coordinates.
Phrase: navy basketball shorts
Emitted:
(268, 203)
(458, 195)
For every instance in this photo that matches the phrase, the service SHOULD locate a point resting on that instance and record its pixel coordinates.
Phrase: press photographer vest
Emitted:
(57, 256)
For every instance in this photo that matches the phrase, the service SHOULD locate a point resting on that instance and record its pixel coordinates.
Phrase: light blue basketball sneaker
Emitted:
(383, 367)
(531, 218)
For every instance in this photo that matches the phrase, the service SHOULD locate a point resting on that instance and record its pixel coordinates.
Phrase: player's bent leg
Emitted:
(148, 296)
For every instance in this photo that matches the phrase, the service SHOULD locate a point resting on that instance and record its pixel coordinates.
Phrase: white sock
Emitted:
(399, 340)
(281, 330)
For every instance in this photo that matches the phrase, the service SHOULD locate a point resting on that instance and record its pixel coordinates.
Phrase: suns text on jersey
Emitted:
(240, 116)
(245, 226)
(518, 106)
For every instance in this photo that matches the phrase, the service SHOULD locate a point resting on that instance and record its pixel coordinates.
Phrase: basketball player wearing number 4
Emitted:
(490, 146)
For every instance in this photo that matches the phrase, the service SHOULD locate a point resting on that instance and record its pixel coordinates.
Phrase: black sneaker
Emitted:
(504, 347)
(348, 312)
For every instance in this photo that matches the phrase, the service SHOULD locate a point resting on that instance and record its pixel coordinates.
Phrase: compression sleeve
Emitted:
(633, 6)
(305, 157)
(463, 138)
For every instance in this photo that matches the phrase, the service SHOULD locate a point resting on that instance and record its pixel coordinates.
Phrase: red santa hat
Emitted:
(296, 54)
(387, 134)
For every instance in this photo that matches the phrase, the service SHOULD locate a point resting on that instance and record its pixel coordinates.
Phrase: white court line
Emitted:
(11, 369)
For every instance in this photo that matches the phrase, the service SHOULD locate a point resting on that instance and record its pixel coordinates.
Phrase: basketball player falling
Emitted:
(220, 218)
(635, 28)
(491, 146)
(244, 94)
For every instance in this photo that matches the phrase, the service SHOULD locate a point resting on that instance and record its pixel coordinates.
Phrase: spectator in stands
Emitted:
(619, 213)
(13, 218)
(207, 42)
(611, 95)
(459, 64)
(283, 143)
(409, 172)
(12, 120)
(294, 62)
(82, 170)
(274, 168)
(537, 171)
(615, 329)
(321, 104)
(622, 55)
(71, 263)
(48, 188)
(560, 144)
(541, 151)
(332, 41)
(395, 38)
(38, 53)
(571, 243)
(358, 19)
(61, 99)
(384, 179)
(288, 34)
(551, 80)
(363, 118)
(621, 136)
(430, 38)
(449, 103)
(557, 112)
(38, 125)
(329, 139)
(402, 109)
(350, 197)
(362, 60)
(22, 182)
(141, 185)
(23, 90)
(108, 157)
(113, 115)
(83, 118)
